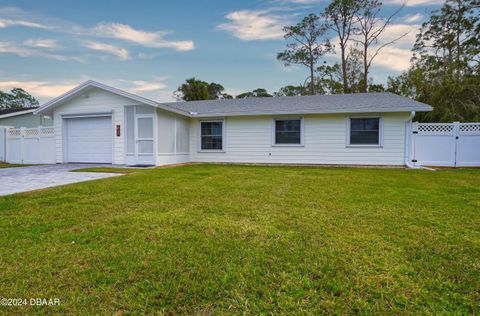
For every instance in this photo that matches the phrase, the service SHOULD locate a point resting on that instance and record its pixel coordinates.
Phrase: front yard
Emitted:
(8, 165)
(217, 239)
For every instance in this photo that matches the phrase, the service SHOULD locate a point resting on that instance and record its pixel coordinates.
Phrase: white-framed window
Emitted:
(365, 131)
(288, 132)
(212, 135)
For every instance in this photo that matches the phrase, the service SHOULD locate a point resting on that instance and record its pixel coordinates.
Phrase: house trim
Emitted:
(302, 131)
(89, 84)
(17, 113)
(224, 138)
(380, 132)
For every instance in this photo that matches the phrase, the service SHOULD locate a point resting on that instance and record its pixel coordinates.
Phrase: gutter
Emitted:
(17, 113)
(408, 133)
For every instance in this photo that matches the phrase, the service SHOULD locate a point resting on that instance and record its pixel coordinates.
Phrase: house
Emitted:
(95, 123)
(23, 117)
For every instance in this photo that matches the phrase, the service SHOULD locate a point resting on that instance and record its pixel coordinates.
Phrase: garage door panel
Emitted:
(89, 140)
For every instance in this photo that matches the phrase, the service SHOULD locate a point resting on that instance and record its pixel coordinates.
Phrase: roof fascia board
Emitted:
(17, 113)
(72, 93)
(397, 110)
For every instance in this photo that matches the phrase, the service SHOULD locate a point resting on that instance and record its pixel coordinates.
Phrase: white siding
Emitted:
(98, 101)
(249, 140)
(173, 138)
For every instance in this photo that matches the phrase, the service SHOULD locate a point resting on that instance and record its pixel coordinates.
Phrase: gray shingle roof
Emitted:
(316, 104)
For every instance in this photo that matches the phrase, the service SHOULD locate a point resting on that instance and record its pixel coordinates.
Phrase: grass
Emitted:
(9, 165)
(217, 239)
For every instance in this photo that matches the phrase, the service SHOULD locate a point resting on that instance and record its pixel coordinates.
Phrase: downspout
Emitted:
(408, 133)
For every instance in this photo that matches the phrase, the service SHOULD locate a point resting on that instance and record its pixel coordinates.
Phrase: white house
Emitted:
(23, 117)
(95, 123)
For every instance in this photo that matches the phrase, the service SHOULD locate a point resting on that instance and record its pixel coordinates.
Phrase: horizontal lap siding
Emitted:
(249, 140)
(97, 101)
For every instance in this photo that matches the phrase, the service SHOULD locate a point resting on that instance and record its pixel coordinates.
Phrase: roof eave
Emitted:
(218, 114)
(89, 84)
(17, 113)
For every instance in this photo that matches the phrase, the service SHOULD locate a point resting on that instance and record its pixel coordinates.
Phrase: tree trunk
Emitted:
(365, 68)
(312, 76)
(344, 70)
(458, 32)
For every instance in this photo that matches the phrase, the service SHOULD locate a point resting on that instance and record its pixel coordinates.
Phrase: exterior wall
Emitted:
(249, 140)
(97, 101)
(173, 137)
(26, 120)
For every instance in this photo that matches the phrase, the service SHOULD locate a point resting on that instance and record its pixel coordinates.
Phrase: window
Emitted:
(288, 132)
(211, 134)
(365, 131)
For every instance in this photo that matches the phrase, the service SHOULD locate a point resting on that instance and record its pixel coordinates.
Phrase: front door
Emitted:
(144, 139)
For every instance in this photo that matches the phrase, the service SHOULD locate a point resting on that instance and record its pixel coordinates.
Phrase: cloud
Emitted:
(23, 51)
(413, 18)
(154, 89)
(414, 3)
(11, 48)
(11, 22)
(251, 25)
(45, 90)
(12, 16)
(396, 56)
(142, 86)
(146, 55)
(41, 43)
(299, 1)
(117, 51)
(149, 39)
(39, 89)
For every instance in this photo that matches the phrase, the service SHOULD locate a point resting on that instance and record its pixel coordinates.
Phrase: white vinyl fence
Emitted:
(2, 143)
(446, 144)
(30, 145)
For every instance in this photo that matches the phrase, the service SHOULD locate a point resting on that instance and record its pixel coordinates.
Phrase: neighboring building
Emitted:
(23, 118)
(99, 124)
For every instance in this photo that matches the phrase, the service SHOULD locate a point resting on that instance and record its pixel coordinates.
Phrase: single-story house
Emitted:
(23, 117)
(95, 123)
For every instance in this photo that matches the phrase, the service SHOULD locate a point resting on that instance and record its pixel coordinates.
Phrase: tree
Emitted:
(371, 26)
(257, 93)
(307, 47)
(194, 89)
(446, 64)
(341, 16)
(449, 41)
(290, 91)
(330, 77)
(17, 98)
(376, 87)
(216, 91)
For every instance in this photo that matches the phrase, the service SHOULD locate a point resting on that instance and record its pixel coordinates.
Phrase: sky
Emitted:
(151, 47)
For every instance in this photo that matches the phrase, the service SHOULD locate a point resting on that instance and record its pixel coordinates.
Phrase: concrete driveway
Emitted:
(29, 178)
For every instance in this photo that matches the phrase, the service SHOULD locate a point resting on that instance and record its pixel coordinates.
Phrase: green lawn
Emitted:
(8, 165)
(219, 239)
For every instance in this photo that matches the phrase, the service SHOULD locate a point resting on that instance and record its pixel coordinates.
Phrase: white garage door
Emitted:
(89, 139)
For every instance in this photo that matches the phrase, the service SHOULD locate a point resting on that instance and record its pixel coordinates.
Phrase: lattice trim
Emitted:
(435, 128)
(14, 132)
(31, 132)
(47, 130)
(470, 128)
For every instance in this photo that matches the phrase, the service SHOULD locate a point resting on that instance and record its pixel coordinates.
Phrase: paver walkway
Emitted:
(29, 178)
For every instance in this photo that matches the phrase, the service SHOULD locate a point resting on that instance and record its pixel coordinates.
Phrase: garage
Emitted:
(89, 139)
